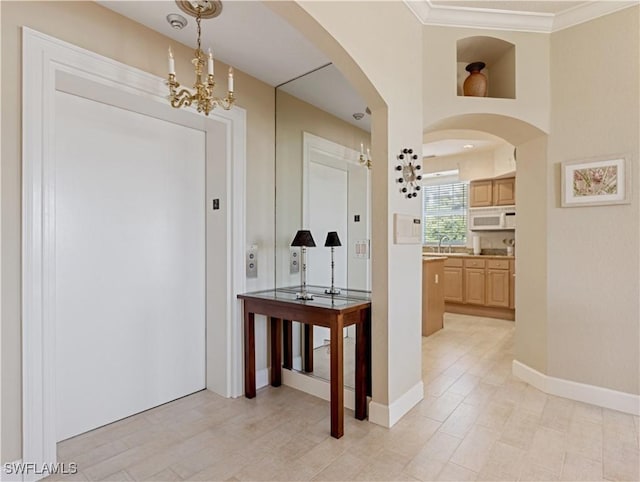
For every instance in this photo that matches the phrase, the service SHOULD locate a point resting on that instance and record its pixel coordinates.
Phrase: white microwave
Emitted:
(492, 219)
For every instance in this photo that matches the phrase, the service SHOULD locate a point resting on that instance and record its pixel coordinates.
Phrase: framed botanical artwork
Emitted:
(595, 182)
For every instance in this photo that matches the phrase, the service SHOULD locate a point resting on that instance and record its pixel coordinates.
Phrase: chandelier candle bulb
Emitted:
(230, 79)
(172, 63)
(210, 63)
(361, 149)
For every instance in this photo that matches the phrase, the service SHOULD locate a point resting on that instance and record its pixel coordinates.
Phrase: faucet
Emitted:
(442, 238)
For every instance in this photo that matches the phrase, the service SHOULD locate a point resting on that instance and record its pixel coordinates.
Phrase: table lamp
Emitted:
(304, 240)
(332, 241)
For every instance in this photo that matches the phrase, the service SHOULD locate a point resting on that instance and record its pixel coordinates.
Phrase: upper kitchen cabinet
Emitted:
(497, 62)
(492, 192)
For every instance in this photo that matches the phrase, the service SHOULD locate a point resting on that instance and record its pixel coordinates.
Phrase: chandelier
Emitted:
(203, 96)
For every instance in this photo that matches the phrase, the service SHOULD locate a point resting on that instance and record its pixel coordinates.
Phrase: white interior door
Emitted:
(129, 262)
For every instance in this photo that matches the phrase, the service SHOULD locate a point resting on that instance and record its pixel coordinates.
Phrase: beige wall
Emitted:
(594, 281)
(100, 30)
(293, 117)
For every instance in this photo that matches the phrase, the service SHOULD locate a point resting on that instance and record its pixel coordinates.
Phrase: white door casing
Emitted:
(46, 61)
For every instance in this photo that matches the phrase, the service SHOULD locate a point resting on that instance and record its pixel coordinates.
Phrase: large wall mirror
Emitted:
(322, 128)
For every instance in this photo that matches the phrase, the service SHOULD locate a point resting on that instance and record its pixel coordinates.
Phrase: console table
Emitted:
(280, 305)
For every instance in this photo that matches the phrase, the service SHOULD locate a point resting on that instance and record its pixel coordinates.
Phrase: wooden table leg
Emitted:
(308, 347)
(361, 366)
(276, 352)
(287, 344)
(337, 378)
(249, 355)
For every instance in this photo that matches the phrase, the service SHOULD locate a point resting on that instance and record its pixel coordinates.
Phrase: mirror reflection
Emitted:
(323, 186)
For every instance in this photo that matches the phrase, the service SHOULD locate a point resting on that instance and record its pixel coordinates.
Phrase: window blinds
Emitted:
(445, 212)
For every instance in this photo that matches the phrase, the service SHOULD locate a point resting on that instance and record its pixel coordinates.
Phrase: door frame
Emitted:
(42, 59)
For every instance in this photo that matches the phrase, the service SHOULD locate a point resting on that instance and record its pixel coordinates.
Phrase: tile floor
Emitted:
(476, 422)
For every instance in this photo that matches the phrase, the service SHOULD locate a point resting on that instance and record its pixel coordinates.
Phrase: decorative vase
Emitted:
(476, 84)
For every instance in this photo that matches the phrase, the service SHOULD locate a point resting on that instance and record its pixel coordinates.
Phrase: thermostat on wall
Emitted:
(407, 229)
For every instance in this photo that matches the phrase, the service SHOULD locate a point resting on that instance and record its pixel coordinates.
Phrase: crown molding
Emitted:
(454, 16)
(589, 11)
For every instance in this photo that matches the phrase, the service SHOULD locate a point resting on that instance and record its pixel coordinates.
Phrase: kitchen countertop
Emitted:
(429, 258)
(432, 256)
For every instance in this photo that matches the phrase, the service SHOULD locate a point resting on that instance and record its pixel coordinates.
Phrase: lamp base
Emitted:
(332, 291)
(304, 295)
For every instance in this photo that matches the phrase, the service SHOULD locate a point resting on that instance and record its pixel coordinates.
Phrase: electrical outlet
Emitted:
(252, 261)
(294, 260)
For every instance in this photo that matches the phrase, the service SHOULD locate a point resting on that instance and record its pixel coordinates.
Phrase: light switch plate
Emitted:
(362, 249)
(294, 260)
(252, 261)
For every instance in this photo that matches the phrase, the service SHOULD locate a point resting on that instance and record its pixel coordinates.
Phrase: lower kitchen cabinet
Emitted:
(453, 280)
(498, 288)
(474, 286)
(480, 285)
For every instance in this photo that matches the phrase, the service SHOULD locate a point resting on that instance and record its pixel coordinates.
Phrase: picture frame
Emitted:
(595, 182)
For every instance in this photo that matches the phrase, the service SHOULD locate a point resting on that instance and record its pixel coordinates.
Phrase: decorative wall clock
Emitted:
(409, 167)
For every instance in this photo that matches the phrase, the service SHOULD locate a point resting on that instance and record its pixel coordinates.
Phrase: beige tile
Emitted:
(577, 467)
(440, 447)
(344, 467)
(461, 420)
(383, 465)
(120, 476)
(167, 475)
(585, 438)
(536, 473)
(440, 408)
(557, 413)
(424, 468)
(495, 415)
(585, 411)
(439, 385)
(474, 450)
(520, 429)
(464, 385)
(533, 400)
(408, 436)
(454, 472)
(481, 394)
(547, 449)
(504, 462)
(621, 464)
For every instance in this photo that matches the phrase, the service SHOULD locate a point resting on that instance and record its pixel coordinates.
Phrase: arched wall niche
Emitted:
(498, 55)
(531, 233)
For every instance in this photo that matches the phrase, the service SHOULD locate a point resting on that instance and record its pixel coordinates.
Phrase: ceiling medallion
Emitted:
(210, 8)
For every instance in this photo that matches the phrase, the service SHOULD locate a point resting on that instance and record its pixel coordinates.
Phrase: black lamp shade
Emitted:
(303, 238)
(332, 239)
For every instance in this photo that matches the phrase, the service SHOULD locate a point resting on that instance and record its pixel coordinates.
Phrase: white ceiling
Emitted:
(252, 38)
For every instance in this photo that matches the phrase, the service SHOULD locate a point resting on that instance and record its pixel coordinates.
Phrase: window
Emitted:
(445, 212)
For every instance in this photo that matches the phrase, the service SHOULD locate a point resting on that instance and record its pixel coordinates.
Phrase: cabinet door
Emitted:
(504, 192)
(474, 288)
(453, 284)
(498, 287)
(480, 194)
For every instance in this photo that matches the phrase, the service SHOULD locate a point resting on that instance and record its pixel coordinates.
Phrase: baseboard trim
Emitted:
(263, 377)
(581, 392)
(479, 310)
(316, 386)
(388, 415)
